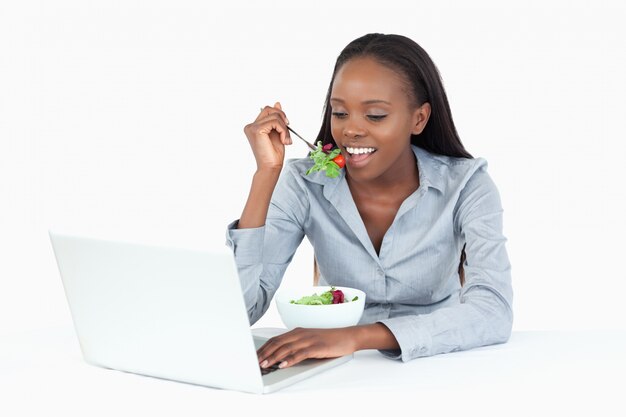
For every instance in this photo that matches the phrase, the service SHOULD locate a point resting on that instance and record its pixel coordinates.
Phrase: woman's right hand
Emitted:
(267, 136)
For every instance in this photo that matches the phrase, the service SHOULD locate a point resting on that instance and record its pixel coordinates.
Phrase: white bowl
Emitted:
(326, 316)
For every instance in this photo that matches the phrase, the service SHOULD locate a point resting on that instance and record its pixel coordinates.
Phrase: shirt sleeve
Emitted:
(484, 315)
(262, 254)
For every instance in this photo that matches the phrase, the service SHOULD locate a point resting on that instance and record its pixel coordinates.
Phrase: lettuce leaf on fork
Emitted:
(323, 160)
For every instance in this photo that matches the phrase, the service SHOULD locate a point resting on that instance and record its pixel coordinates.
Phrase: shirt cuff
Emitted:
(247, 244)
(413, 339)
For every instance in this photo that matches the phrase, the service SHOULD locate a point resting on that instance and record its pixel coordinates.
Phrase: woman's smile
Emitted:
(358, 157)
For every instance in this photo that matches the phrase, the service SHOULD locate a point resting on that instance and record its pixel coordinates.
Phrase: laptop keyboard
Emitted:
(265, 371)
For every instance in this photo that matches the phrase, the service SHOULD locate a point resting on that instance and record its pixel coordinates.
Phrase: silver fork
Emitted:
(310, 145)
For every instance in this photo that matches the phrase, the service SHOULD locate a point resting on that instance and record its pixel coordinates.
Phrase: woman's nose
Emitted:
(352, 129)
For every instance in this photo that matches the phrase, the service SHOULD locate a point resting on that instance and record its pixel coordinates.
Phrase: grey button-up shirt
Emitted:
(413, 286)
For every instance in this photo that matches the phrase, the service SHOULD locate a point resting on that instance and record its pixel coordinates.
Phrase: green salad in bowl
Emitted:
(322, 307)
(332, 296)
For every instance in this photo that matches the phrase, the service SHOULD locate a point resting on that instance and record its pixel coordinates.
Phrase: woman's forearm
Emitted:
(255, 211)
(375, 336)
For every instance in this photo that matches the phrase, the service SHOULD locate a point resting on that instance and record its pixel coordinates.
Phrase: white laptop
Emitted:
(171, 313)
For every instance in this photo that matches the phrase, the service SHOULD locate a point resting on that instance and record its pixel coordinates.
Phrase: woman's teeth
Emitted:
(358, 151)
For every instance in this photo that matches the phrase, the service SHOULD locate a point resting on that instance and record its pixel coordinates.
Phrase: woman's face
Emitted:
(373, 118)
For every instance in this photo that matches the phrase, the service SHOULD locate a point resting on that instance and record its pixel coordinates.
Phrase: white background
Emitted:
(124, 120)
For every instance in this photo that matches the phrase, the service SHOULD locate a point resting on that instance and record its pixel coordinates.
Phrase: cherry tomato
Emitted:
(340, 160)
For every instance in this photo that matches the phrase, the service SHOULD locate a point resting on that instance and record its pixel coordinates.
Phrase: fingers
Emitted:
(277, 109)
(276, 119)
(286, 350)
(273, 122)
(294, 358)
(267, 125)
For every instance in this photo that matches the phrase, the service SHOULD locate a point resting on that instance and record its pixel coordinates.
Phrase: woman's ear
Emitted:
(420, 118)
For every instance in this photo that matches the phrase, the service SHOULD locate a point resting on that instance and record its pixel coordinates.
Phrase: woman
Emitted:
(395, 222)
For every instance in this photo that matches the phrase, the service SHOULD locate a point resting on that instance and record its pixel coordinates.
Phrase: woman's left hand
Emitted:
(299, 344)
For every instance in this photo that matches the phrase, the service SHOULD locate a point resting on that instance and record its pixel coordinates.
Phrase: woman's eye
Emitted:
(374, 117)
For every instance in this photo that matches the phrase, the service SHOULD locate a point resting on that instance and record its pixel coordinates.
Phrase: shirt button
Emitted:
(380, 272)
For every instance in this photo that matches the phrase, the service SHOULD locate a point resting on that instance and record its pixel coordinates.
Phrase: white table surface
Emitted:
(535, 373)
